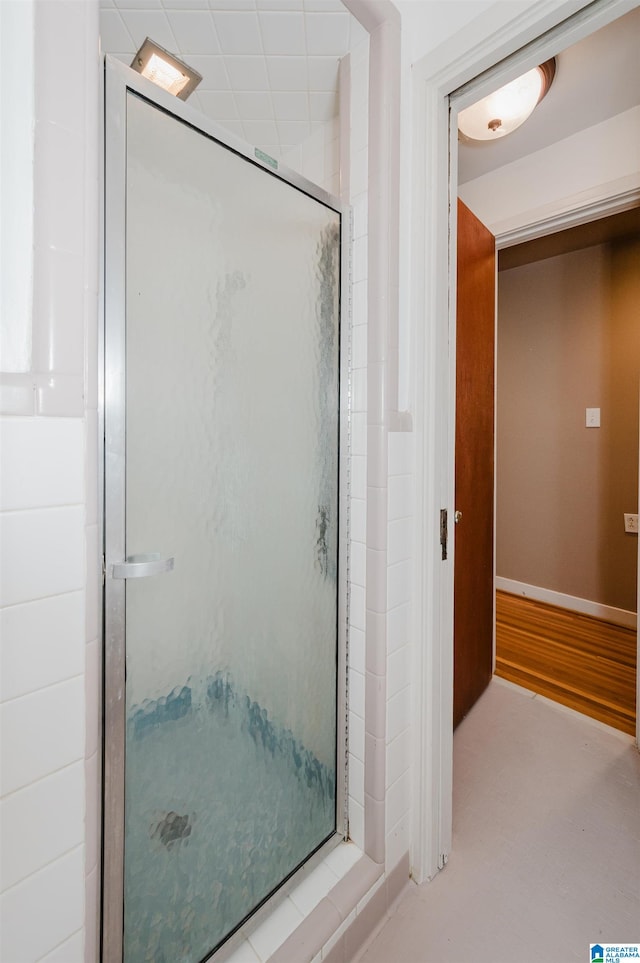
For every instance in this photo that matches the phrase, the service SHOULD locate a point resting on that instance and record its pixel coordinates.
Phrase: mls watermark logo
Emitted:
(614, 952)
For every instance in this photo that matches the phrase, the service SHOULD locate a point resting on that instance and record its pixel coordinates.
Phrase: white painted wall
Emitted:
(428, 23)
(399, 734)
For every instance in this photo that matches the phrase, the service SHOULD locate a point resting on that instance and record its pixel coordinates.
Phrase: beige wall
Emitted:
(568, 339)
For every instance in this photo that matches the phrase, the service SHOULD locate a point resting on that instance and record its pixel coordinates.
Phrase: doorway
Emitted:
(564, 338)
(566, 569)
(439, 86)
(561, 487)
(224, 548)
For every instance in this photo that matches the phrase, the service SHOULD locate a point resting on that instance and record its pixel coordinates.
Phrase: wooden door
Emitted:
(474, 460)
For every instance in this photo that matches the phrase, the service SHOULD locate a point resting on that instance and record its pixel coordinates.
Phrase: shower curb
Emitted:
(340, 917)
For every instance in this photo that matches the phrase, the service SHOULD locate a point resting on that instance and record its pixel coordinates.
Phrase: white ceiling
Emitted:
(269, 67)
(270, 70)
(595, 79)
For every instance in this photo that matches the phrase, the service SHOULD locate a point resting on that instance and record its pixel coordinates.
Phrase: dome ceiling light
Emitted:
(503, 111)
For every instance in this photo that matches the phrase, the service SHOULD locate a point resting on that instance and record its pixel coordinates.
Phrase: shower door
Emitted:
(223, 600)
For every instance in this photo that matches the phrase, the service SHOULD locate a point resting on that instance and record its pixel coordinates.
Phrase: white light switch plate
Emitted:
(593, 418)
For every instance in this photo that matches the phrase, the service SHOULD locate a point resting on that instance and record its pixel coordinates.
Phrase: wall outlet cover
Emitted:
(593, 418)
(631, 522)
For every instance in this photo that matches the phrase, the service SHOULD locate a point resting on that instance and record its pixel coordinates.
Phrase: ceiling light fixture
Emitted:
(507, 108)
(165, 70)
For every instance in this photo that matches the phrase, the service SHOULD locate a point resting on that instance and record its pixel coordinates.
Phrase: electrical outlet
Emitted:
(631, 522)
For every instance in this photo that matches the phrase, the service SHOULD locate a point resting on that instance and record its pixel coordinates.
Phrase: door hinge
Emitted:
(443, 533)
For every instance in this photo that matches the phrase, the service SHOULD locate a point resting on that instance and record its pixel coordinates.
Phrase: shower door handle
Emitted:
(142, 566)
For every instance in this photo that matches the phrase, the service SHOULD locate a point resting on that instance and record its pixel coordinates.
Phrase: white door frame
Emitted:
(458, 73)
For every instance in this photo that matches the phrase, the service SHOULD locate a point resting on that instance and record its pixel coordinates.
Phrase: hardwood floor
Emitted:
(577, 660)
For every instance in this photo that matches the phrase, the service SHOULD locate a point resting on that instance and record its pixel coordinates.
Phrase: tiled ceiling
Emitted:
(269, 67)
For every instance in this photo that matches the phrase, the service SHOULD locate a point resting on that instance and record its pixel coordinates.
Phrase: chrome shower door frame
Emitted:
(119, 81)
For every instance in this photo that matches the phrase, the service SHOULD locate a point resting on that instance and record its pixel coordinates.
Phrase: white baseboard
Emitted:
(597, 609)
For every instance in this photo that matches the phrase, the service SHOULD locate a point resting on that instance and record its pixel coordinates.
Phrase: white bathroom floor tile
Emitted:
(546, 842)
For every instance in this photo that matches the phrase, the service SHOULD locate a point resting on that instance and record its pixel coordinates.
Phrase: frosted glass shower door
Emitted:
(230, 429)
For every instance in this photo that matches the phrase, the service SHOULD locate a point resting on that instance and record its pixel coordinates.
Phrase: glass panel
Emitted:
(232, 468)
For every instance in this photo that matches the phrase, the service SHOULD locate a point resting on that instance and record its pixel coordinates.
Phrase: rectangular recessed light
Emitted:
(162, 68)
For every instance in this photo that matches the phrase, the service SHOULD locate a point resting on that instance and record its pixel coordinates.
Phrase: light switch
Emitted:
(593, 417)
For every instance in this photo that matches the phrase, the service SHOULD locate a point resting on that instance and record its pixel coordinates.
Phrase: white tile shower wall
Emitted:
(41, 553)
(42, 695)
(318, 157)
(357, 142)
(399, 575)
(44, 911)
(340, 860)
(41, 463)
(41, 823)
(93, 545)
(48, 467)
